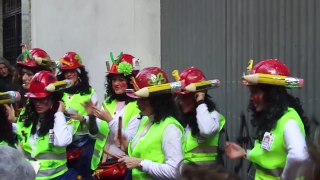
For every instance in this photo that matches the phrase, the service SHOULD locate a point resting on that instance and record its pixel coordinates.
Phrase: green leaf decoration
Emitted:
(125, 68)
(157, 79)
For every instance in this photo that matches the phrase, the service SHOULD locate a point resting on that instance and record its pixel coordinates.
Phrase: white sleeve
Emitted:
(208, 123)
(131, 129)
(62, 130)
(172, 147)
(15, 128)
(296, 146)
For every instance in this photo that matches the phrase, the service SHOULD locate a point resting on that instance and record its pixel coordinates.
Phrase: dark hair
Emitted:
(276, 102)
(6, 133)
(83, 87)
(111, 95)
(163, 107)
(30, 116)
(191, 119)
(195, 171)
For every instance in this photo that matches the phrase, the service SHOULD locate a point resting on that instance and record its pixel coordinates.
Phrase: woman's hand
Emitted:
(103, 114)
(130, 162)
(234, 151)
(61, 107)
(90, 108)
(10, 112)
(124, 142)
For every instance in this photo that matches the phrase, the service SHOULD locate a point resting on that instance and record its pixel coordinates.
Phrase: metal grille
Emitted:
(11, 29)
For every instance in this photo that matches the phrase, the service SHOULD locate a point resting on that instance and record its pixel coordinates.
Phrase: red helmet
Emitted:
(70, 61)
(271, 66)
(38, 83)
(28, 57)
(151, 76)
(125, 64)
(192, 75)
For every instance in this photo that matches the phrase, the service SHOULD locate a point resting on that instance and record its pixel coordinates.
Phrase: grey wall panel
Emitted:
(220, 36)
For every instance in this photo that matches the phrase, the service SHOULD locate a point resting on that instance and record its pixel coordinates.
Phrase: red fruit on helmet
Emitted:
(28, 57)
(271, 66)
(151, 76)
(70, 61)
(38, 83)
(192, 75)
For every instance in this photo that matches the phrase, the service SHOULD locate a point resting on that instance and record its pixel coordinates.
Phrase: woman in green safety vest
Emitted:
(203, 123)
(278, 117)
(76, 98)
(117, 106)
(43, 131)
(156, 149)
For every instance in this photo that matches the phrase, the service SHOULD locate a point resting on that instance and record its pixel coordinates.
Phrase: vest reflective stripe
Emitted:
(150, 146)
(62, 156)
(271, 172)
(48, 172)
(99, 144)
(277, 156)
(203, 152)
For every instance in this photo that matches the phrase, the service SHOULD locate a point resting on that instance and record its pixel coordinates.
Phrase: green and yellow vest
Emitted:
(53, 160)
(206, 151)
(270, 164)
(150, 146)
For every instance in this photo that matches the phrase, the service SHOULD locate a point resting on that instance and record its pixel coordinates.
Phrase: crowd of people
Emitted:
(167, 132)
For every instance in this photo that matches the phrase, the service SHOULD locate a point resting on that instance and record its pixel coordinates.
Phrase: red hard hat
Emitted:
(192, 75)
(271, 66)
(28, 57)
(38, 83)
(126, 65)
(70, 61)
(151, 76)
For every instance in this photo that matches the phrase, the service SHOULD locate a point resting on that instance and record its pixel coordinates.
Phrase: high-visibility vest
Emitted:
(131, 110)
(270, 164)
(53, 160)
(150, 146)
(206, 151)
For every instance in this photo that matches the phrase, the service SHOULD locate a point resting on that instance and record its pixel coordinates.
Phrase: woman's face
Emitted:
(145, 106)
(26, 77)
(257, 98)
(42, 105)
(186, 102)
(119, 84)
(72, 75)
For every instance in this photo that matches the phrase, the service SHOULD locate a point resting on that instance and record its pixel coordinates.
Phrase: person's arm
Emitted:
(131, 129)
(296, 145)
(62, 130)
(172, 147)
(208, 123)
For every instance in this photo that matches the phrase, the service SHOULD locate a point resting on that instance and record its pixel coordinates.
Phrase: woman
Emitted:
(202, 121)
(156, 149)
(116, 105)
(80, 94)
(279, 120)
(43, 130)
(27, 65)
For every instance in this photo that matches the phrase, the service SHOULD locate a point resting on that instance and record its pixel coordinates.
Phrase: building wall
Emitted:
(220, 36)
(95, 28)
(1, 28)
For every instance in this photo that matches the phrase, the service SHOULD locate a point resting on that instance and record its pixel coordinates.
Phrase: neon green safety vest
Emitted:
(270, 164)
(150, 146)
(131, 111)
(53, 160)
(203, 152)
(76, 102)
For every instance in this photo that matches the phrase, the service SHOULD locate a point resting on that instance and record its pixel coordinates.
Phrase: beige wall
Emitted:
(93, 28)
